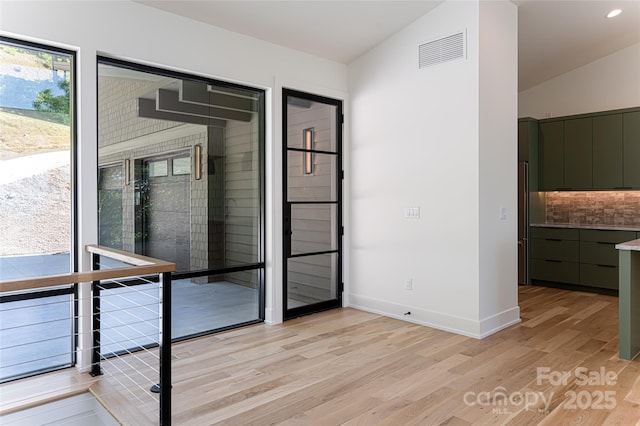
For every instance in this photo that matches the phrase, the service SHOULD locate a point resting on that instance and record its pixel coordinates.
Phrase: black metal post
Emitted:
(95, 318)
(165, 349)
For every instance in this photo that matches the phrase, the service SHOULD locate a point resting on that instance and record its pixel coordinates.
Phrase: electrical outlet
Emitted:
(408, 284)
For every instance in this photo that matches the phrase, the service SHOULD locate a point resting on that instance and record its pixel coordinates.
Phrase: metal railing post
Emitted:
(165, 349)
(95, 318)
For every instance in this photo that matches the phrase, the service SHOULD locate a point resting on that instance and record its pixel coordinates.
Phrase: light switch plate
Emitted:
(412, 213)
(503, 213)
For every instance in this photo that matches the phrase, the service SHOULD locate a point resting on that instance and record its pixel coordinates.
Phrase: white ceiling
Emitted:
(554, 36)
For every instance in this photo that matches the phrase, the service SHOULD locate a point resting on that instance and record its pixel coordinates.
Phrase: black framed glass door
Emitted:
(312, 207)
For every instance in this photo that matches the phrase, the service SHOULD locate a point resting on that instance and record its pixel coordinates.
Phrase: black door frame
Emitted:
(286, 205)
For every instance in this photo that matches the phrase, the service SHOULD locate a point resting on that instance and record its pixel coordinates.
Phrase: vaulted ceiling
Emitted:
(554, 36)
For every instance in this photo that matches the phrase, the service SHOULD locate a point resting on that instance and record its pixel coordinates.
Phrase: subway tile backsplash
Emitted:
(594, 207)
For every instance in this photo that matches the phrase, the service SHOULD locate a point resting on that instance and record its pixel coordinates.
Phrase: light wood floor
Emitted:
(355, 368)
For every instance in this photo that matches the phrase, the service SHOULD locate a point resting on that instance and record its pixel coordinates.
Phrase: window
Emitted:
(37, 204)
(195, 149)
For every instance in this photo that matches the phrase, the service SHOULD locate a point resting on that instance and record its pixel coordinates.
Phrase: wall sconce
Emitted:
(307, 144)
(197, 154)
(127, 171)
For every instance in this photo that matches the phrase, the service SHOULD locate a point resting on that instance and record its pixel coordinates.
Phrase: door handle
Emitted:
(287, 223)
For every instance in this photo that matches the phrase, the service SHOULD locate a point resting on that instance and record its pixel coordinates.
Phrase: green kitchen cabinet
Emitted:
(606, 236)
(552, 233)
(550, 249)
(528, 148)
(594, 151)
(527, 139)
(599, 257)
(608, 152)
(578, 154)
(551, 155)
(600, 276)
(555, 271)
(578, 256)
(555, 255)
(598, 247)
(523, 140)
(631, 144)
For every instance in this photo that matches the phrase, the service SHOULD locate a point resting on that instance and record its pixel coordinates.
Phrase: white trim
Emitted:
(438, 320)
(499, 321)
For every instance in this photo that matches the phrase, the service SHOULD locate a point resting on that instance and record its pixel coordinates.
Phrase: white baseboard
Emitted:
(500, 321)
(438, 320)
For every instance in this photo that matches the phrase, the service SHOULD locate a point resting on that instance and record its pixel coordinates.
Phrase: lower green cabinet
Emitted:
(555, 250)
(605, 236)
(555, 253)
(601, 276)
(585, 257)
(598, 253)
(555, 270)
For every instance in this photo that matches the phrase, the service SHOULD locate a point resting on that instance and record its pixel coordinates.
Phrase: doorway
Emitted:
(312, 206)
(162, 209)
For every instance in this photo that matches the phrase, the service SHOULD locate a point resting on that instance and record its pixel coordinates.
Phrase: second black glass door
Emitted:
(312, 209)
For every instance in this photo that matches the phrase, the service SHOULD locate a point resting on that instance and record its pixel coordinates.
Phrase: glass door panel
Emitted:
(311, 279)
(320, 184)
(313, 227)
(312, 207)
(190, 191)
(320, 117)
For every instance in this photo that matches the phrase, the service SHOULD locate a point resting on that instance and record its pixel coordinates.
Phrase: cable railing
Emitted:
(117, 325)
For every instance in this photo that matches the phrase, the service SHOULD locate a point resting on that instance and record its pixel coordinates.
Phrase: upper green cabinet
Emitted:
(578, 154)
(528, 148)
(551, 156)
(631, 149)
(607, 152)
(566, 154)
(599, 151)
(527, 139)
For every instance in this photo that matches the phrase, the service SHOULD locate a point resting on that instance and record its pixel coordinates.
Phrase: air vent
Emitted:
(445, 49)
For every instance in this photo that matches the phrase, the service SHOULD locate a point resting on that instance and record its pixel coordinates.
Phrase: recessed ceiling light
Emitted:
(614, 13)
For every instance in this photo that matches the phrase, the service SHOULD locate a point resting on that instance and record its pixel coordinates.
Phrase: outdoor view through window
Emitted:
(36, 123)
(35, 154)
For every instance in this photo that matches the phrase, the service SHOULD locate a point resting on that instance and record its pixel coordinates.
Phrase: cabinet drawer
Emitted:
(599, 236)
(556, 271)
(550, 249)
(598, 253)
(555, 233)
(599, 276)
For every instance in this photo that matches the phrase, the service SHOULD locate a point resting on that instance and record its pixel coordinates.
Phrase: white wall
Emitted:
(132, 31)
(611, 82)
(498, 171)
(416, 141)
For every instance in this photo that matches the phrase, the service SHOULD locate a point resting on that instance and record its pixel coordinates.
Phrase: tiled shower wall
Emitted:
(594, 207)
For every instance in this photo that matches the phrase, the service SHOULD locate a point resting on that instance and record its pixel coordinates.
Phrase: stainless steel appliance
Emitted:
(523, 223)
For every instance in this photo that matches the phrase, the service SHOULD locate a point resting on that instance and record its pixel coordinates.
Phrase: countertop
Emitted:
(600, 226)
(629, 245)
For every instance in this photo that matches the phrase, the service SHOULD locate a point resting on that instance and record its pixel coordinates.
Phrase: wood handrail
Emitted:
(142, 265)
